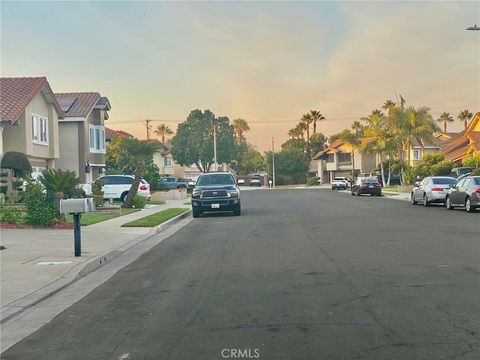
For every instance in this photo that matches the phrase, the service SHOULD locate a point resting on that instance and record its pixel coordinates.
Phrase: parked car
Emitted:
(465, 193)
(241, 182)
(431, 189)
(255, 181)
(172, 183)
(216, 191)
(458, 171)
(339, 183)
(117, 186)
(366, 186)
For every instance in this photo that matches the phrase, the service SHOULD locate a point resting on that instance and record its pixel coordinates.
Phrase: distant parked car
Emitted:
(465, 193)
(240, 182)
(367, 186)
(432, 189)
(171, 183)
(339, 183)
(255, 181)
(458, 171)
(117, 186)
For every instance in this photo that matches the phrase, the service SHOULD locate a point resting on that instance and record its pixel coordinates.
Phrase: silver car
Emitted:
(466, 193)
(432, 189)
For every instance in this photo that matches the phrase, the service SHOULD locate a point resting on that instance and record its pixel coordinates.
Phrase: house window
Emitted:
(97, 139)
(330, 158)
(344, 157)
(416, 155)
(167, 161)
(39, 130)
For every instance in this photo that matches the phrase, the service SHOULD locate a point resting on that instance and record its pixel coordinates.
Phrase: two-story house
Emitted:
(465, 144)
(339, 159)
(166, 165)
(82, 133)
(29, 116)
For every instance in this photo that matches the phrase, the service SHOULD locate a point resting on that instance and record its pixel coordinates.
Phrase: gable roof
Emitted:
(112, 134)
(78, 104)
(459, 146)
(17, 92)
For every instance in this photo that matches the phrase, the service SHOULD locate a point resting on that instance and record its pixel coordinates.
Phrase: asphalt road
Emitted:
(302, 274)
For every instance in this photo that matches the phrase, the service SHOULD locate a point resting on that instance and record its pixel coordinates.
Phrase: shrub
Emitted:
(10, 214)
(473, 161)
(139, 201)
(98, 199)
(476, 172)
(3, 189)
(312, 181)
(59, 181)
(444, 168)
(40, 206)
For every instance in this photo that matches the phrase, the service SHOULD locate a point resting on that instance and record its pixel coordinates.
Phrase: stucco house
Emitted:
(464, 144)
(82, 133)
(29, 117)
(338, 159)
(417, 151)
(166, 165)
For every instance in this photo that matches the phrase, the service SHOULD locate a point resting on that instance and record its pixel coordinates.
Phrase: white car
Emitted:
(255, 181)
(240, 182)
(340, 183)
(117, 186)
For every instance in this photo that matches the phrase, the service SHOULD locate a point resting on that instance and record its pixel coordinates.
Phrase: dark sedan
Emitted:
(367, 186)
(216, 192)
(465, 193)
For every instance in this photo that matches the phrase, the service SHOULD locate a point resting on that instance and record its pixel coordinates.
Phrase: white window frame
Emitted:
(417, 152)
(167, 161)
(96, 139)
(39, 130)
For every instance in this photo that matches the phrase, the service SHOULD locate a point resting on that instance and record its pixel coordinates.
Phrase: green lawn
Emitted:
(155, 219)
(96, 217)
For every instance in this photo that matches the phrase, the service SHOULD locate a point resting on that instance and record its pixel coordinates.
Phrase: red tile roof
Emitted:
(112, 134)
(17, 92)
(77, 104)
(456, 148)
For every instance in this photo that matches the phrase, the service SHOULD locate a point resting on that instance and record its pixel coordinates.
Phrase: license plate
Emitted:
(370, 186)
(215, 206)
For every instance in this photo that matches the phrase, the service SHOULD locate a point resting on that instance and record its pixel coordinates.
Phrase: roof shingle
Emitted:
(77, 104)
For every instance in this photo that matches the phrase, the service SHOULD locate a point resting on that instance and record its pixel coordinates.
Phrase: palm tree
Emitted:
(357, 127)
(306, 120)
(59, 183)
(163, 131)
(445, 118)
(389, 105)
(293, 133)
(316, 116)
(141, 150)
(301, 128)
(240, 126)
(348, 137)
(465, 117)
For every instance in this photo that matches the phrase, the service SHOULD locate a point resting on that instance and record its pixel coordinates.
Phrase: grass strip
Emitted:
(99, 216)
(155, 219)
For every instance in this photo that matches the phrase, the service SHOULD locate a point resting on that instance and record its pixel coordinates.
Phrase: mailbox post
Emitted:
(76, 207)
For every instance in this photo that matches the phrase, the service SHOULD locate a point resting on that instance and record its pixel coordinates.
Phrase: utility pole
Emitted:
(215, 145)
(148, 126)
(273, 162)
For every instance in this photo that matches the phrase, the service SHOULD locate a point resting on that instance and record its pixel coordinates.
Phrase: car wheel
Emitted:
(468, 205)
(358, 193)
(196, 213)
(448, 204)
(237, 210)
(425, 200)
(412, 199)
(124, 196)
(353, 194)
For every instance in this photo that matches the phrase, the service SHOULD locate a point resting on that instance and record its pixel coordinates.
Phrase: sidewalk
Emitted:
(37, 263)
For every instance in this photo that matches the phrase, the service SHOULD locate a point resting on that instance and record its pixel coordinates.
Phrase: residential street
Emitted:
(302, 274)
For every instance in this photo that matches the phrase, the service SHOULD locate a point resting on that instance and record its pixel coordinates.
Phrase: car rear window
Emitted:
(370, 181)
(216, 179)
(443, 181)
(477, 180)
(339, 179)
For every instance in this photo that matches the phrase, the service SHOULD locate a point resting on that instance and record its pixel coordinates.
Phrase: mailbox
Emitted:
(76, 206)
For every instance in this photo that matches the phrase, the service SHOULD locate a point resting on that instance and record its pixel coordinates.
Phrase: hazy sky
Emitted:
(267, 62)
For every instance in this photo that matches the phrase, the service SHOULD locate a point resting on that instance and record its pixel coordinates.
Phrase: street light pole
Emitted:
(215, 146)
(273, 162)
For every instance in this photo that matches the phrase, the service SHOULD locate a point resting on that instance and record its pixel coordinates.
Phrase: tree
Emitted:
(445, 118)
(358, 127)
(292, 163)
(317, 142)
(294, 144)
(240, 126)
(117, 158)
(306, 120)
(388, 105)
(465, 117)
(316, 117)
(193, 142)
(249, 161)
(163, 131)
(59, 184)
(348, 137)
(141, 150)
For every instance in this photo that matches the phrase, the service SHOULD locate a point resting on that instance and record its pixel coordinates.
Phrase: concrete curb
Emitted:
(76, 273)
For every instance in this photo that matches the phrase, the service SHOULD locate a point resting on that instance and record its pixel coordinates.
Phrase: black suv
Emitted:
(216, 191)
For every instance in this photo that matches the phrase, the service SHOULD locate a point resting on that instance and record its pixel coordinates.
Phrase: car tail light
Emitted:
(477, 191)
(143, 187)
(437, 189)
